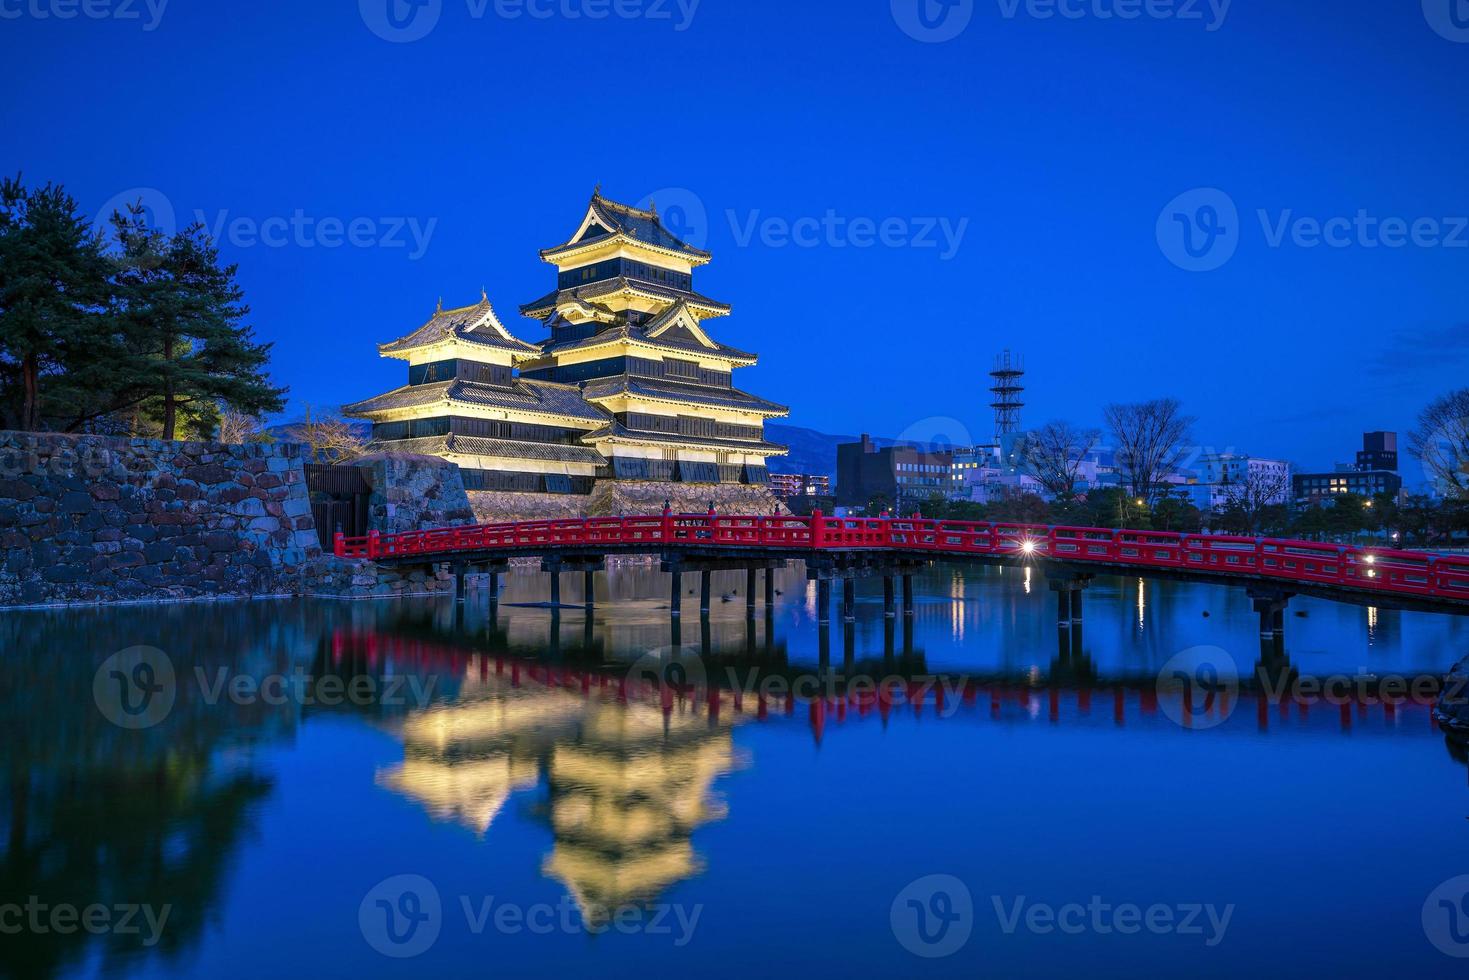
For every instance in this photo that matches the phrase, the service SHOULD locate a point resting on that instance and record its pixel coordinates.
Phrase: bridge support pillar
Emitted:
(770, 588)
(889, 606)
(1068, 585)
(494, 585)
(849, 599)
(750, 575)
(907, 595)
(704, 590)
(1270, 604)
(675, 595)
(556, 588)
(823, 600)
(589, 585)
(461, 587)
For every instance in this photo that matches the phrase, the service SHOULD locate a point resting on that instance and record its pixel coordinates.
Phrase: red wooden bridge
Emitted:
(844, 546)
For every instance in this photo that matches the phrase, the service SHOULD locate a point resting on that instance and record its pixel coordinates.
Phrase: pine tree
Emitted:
(182, 319)
(54, 294)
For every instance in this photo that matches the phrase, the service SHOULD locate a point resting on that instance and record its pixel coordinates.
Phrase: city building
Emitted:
(1375, 472)
(904, 475)
(1379, 452)
(629, 386)
(789, 485)
(1226, 478)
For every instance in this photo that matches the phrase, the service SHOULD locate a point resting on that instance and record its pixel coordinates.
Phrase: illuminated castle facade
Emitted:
(629, 386)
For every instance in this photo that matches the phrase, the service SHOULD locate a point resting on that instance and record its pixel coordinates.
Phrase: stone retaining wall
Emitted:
(90, 518)
(611, 498)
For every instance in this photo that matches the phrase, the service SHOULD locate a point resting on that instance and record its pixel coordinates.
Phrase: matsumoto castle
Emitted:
(629, 386)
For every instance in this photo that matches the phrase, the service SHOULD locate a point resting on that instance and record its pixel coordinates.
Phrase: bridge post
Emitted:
(461, 590)
(770, 588)
(1063, 608)
(750, 574)
(889, 607)
(675, 597)
(704, 590)
(823, 600)
(494, 585)
(849, 599)
(556, 588)
(1076, 595)
(907, 595)
(589, 580)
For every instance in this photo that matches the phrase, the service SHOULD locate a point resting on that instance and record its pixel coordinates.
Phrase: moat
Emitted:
(412, 787)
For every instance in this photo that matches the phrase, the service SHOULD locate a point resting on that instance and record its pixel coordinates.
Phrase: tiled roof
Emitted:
(473, 324)
(676, 391)
(542, 397)
(593, 290)
(639, 334)
(503, 448)
(617, 430)
(645, 226)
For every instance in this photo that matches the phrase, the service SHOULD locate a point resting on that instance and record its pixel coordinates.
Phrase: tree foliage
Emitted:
(142, 333)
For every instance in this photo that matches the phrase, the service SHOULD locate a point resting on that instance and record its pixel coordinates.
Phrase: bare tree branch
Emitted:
(1053, 454)
(1150, 438)
(1441, 442)
(331, 440)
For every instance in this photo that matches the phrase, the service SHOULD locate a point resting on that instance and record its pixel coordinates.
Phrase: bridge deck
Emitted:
(1335, 571)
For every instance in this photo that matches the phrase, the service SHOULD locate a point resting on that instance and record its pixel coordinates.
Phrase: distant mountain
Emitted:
(811, 451)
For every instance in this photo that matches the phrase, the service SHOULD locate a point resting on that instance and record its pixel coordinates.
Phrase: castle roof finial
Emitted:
(597, 191)
(652, 207)
(484, 296)
(440, 308)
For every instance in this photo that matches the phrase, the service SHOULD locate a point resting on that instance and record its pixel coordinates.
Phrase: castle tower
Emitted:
(627, 325)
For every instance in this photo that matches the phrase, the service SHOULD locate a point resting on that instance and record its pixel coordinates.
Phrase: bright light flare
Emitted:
(1028, 547)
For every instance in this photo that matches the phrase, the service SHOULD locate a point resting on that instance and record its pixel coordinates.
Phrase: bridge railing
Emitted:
(1370, 569)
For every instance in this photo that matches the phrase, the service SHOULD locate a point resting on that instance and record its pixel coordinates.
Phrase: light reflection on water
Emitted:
(531, 770)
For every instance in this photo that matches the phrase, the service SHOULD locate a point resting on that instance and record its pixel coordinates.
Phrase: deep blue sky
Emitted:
(1060, 141)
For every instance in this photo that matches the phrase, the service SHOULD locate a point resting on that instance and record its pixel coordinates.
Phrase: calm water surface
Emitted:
(550, 824)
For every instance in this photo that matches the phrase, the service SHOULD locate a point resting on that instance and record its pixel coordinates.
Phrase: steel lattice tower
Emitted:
(1007, 390)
